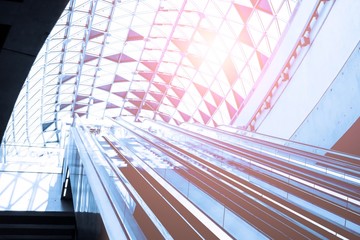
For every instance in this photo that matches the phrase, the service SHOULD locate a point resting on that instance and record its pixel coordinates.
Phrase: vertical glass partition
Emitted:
(97, 188)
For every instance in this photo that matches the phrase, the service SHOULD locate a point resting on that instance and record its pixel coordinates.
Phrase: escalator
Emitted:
(178, 183)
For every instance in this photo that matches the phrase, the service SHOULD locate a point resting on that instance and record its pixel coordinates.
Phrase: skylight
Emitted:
(169, 60)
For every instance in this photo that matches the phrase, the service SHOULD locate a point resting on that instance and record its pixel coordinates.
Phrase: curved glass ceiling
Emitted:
(174, 61)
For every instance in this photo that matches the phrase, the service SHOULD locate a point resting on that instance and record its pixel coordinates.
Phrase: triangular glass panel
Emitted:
(264, 5)
(133, 111)
(197, 117)
(165, 76)
(243, 11)
(217, 98)
(139, 94)
(134, 36)
(120, 94)
(45, 126)
(78, 106)
(183, 45)
(113, 58)
(210, 107)
(185, 116)
(135, 102)
(97, 101)
(62, 106)
(231, 110)
(162, 88)
(147, 75)
(238, 98)
(177, 122)
(120, 57)
(66, 78)
(80, 114)
(174, 101)
(111, 105)
(179, 92)
(201, 89)
(195, 60)
(79, 98)
(120, 79)
(152, 65)
(245, 37)
(204, 117)
(165, 117)
(156, 96)
(152, 105)
(94, 34)
(89, 58)
(105, 87)
(262, 59)
(230, 70)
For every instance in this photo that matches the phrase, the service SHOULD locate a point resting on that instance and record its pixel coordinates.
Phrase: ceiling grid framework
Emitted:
(174, 61)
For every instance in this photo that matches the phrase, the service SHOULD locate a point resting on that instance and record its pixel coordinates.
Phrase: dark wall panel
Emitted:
(24, 26)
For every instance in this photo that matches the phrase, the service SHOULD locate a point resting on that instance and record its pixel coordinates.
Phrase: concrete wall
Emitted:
(322, 99)
(337, 110)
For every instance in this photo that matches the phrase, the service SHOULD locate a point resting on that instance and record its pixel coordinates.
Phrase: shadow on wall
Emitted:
(31, 191)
